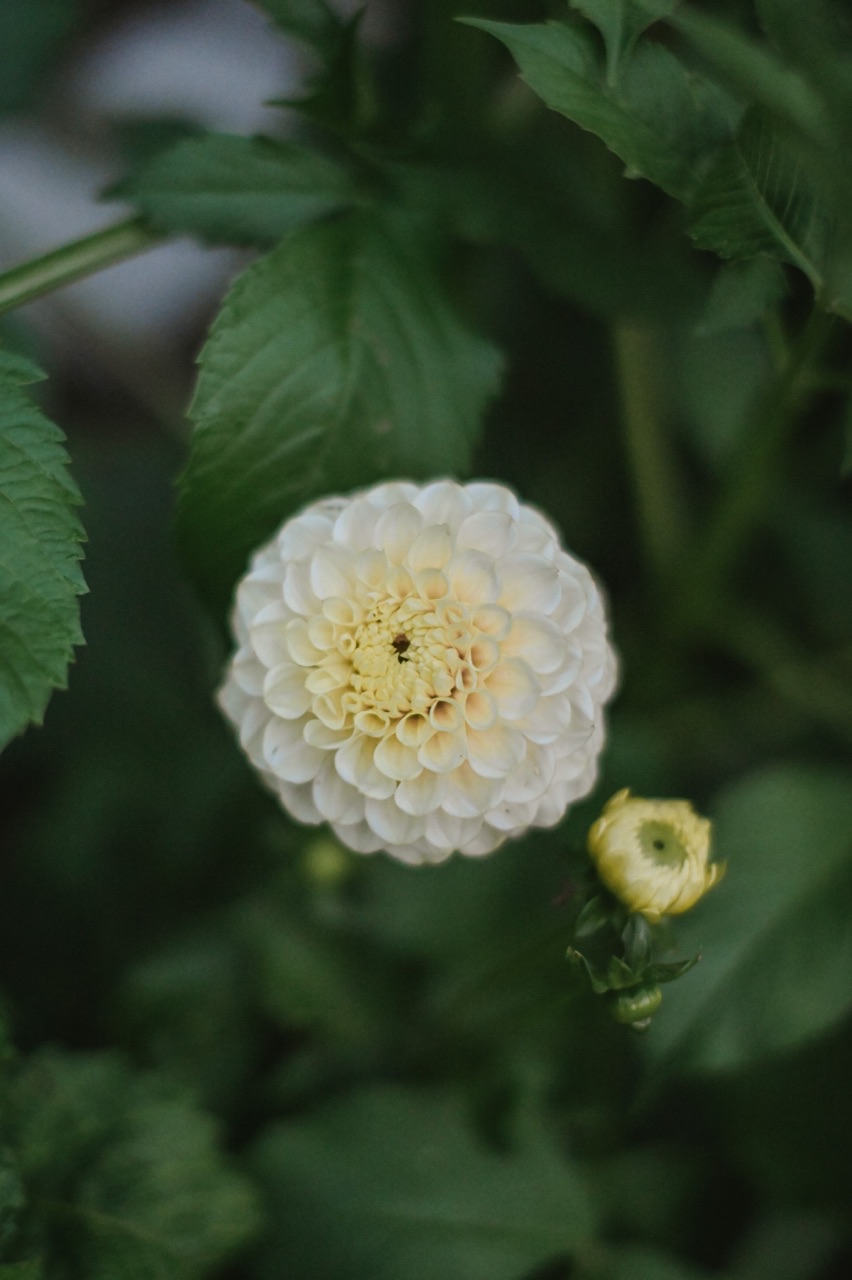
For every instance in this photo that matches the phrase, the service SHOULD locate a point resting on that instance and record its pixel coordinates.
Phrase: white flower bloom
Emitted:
(423, 667)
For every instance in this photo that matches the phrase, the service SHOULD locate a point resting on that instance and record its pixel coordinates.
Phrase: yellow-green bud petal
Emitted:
(653, 854)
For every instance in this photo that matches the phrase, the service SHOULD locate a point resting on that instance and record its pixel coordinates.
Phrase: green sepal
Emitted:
(669, 972)
(595, 915)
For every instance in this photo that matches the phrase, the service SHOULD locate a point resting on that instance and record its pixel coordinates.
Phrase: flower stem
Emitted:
(659, 507)
(73, 261)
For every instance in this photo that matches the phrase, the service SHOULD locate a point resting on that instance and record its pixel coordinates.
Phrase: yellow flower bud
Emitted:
(653, 854)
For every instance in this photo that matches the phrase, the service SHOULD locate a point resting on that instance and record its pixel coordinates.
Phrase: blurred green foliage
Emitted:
(233, 1050)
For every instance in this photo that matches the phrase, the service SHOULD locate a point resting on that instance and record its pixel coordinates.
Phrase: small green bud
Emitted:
(637, 1006)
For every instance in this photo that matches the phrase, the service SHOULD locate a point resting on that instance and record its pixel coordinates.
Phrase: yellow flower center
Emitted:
(659, 842)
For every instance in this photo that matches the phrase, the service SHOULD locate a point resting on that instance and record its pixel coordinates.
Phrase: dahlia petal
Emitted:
(450, 833)
(538, 640)
(358, 836)
(468, 794)
(493, 497)
(443, 502)
(473, 577)
(442, 752)
(388, 821)
(533, 776)
(298, 800)
(301, 535)
(496, 751)
(395, 759)
(286, 753)
(397, 529)
(249, 673)
(332, 571)
(480, 709)
(356, 525)
(492, 619)
(529, 583)
(354, 763)
(299, 647)
(336, 800)
(298, 593)
(420, 795)
(431, 549)
(491, 531)
(284, 691)
(514, 688)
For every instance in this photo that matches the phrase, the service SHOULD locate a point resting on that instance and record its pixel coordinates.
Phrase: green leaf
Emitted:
(31, 37)
(128, 1167)
(659, 119)
(313, 21)
(41, 540)
(334, 362)
(390, 1183)
(776, 935)
(741, 295)
(233, 190)
(621, 23)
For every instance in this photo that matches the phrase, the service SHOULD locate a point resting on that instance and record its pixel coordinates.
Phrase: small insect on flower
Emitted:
(653, 854)
(424, 667)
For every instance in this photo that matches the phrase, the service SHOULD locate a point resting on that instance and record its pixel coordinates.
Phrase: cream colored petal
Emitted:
(422, 794)
(342, 611)
(371, 569)
(496, 751)
(388, 821)
(493, 497)
(532, 777)
(321, 633)
(298, 593)
(469, 795)
(442, 752)
(538, 640)
(235, 702)
(355, 527)
(548, 720)
(529, 583)
(397, 529)
(327, 678)
(259, 589)
(573, 603)
(446, 715)
(336, 800)
(298, 800)
(414, 729)
(303, 534)
(431, 584)
(332, 572)
(299, 646)
(449, 833)
(473, 577)
(514, 688)
(249, 673)
(398, 582)
(284, 691)
(443, 502)
(485, 841)
(330, 710)
(508, 817)
(358, 836)
(319, 735)
(491, 619)
(286, 753)
(491, 531)
(480, 710)
(395, 759)
(484, 654)
(375, 724)
(354, 763)
(388, 495)
(431, 549)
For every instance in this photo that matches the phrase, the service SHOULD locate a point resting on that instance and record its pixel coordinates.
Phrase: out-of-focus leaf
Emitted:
(390, 1183)
(742, 294)
(21, 1270)
(232, 190)
(776, 935)
(335, 361)
(313, 21)
(659, 119)
(126, 1170)
(621, 23)
(40, 549)
(642, 1262)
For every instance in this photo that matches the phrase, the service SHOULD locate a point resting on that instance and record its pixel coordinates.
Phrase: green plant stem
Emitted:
(660, 511)
(744, 496)
(74, 261)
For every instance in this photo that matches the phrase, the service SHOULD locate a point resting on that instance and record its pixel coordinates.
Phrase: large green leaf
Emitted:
(658, 119)
(40, 549)
(776, 935)
(233, 190)
(127, 1170)
(390, 1183)
(334, 362)
(621, 23)
(313, 21)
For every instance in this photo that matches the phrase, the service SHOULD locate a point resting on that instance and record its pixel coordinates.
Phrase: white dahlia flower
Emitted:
(423, 668)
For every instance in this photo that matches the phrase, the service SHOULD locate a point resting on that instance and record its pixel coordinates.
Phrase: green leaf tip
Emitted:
(41, 537)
